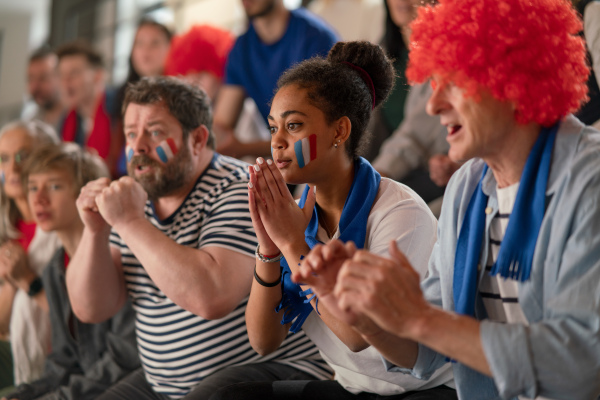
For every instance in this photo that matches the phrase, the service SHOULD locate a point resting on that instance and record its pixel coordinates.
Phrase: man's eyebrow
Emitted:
(149, 124)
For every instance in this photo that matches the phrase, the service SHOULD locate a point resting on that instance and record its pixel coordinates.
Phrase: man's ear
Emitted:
(343, 127)
(198, 138)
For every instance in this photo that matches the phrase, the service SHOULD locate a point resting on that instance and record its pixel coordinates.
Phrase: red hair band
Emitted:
(365, 76)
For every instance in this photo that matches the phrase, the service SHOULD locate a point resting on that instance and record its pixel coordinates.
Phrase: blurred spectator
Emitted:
(352, 19)
(92, 118)
(409, 144)
(276, 39)
(417, 149)
(148, 56)
(589, 114)
(86, 359)
(24, 252)
(43, 86)
(199, 57)
(398, 15)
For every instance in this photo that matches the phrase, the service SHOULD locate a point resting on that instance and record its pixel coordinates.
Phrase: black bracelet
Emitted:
(35, 287)
(266, 284)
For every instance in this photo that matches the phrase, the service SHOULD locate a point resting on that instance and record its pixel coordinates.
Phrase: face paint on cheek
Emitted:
(166, 150)
(306, 150)
(128, 153)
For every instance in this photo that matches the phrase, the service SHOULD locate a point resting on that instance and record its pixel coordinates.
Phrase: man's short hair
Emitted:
(188, 104)
(41, 53)
(84, 166)
(526, 52)
(81, 48)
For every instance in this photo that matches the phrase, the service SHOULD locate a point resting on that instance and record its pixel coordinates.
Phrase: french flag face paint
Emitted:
(128, 153)
(166, 150)
(306, 150)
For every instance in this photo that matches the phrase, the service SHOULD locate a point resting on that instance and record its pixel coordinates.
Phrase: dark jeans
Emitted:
(315, 390)
(135, 386)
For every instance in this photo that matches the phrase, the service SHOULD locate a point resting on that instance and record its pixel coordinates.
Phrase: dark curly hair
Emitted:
(338, 89)
(188, 104)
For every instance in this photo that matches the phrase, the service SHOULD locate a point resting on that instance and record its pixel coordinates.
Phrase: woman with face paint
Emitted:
(24, 251)
(318, 120)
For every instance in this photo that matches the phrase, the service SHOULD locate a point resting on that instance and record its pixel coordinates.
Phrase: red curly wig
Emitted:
(525, 52)
(202, 48)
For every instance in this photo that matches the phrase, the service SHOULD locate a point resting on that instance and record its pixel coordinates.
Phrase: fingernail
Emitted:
(250, 185)
(256, 167)
(260, 160)
(269, 161)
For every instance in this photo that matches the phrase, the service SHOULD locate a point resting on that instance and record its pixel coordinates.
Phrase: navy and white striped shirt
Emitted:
(177, 348)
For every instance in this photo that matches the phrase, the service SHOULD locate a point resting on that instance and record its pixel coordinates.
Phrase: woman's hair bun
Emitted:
(372, 59)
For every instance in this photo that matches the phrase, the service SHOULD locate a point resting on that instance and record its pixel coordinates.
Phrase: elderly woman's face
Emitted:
(476, 127)
(15, 146)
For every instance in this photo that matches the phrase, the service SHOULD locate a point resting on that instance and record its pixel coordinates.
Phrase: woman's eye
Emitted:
(272, 129)
(293, 126)
(55, 186)
(155, 133)
(32, 189)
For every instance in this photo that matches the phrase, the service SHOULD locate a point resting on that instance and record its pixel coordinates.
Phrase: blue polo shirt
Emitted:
(257, 66)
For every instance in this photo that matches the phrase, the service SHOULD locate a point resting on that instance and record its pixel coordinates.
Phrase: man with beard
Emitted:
(276, 39)
(44, 88)
(185, 257)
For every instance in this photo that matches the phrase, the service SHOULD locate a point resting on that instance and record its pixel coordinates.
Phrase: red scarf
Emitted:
(99, 138)
(27, 230)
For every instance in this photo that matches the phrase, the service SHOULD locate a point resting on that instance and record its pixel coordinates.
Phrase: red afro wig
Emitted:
(202, 48)
(525, 52)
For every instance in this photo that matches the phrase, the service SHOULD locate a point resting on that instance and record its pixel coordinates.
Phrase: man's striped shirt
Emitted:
(500, 295)
(177, 348)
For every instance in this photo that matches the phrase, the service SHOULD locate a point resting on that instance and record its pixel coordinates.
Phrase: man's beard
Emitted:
(265, 11)
(45, 103)
(164, 179)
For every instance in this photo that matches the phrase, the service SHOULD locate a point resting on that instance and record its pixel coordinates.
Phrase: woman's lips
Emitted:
(282, 163)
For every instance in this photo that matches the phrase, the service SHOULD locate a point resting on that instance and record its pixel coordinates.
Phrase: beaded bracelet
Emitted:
(267, 259)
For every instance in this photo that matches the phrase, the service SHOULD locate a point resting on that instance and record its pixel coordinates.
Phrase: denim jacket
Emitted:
(557, 354)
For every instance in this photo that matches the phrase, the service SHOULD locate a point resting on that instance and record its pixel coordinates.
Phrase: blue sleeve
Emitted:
(232, 67)
(558, 354)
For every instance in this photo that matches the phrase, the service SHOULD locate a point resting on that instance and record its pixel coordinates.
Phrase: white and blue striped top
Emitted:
(177, 348)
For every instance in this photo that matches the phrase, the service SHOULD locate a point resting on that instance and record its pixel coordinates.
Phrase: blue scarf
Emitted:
(515, 256)
(352, 226)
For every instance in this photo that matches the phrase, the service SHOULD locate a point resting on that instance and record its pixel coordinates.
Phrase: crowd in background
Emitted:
(77, 135)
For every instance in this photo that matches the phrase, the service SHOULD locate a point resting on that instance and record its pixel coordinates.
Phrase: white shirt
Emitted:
(397, 214)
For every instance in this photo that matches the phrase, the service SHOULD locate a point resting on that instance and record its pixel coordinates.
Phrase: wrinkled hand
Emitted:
(121, 202)
(386, 291)
(320, 268)
(88, 209)
(14, 265)
(273, 205)
(441, 168)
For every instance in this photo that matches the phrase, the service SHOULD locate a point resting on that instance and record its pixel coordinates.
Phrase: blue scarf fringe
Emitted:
(352, 226)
